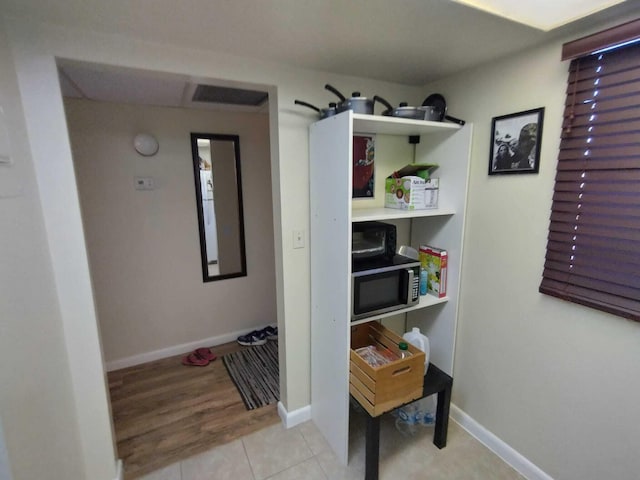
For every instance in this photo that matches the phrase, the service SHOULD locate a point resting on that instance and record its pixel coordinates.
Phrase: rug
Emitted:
(255, 373)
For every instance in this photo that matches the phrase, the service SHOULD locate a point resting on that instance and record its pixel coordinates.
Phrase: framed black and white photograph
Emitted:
(515, 142)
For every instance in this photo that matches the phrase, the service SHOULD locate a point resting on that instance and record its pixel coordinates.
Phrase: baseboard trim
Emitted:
(175, 350)
(512, 457)
(119, 470)
(291, 419)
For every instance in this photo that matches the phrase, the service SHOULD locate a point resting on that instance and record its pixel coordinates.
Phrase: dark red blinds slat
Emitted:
(598, 209)
(602, 286)
(605, 259)
(625, 283)
(606, 105)
(613, 36)
(600, 118)
(596, 163)
(594, 230)
(621, 151)
(618, 244)
(607, 303)
(589, 198)
(606, 83)
(589, 219)
(604, 91)
(597, 141)
(605, 129)
(623, 59)
(599, 178)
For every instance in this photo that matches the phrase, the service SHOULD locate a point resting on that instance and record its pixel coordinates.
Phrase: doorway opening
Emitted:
(144, 253)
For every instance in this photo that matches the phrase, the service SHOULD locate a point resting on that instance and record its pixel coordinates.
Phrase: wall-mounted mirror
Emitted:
(216, 166)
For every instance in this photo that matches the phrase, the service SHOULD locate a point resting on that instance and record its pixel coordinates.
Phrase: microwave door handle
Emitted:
(408, 286)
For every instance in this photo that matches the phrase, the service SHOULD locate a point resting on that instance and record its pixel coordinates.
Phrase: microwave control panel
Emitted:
(415, 289)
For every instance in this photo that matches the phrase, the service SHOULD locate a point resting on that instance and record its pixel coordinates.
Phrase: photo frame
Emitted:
(515, 142)
(363, 165)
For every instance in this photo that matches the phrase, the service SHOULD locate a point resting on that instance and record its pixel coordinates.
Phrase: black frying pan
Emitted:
(436, 100)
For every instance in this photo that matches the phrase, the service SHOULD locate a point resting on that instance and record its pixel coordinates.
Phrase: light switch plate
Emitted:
(298, 239)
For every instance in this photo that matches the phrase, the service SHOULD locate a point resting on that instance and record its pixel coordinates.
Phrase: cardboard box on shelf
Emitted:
(431, 188)
(434, 261)
(411, 188)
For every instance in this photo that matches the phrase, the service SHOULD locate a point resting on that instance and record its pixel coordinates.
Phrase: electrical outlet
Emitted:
(298, 239)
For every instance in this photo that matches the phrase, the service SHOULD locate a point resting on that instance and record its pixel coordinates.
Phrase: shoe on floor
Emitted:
(257, 337)
(195, 361)
(205, 353)
(270, 332)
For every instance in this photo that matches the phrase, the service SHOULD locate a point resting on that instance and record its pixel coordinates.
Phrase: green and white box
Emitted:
(411, 188)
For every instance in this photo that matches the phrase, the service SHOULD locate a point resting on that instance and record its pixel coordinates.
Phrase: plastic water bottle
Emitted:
(421, 413)
(408, 421)
(429, 407)
(417, 339)
(404, 350)
(423, 281)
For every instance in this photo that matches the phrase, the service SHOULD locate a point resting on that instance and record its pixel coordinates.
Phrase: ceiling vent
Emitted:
(229, 96)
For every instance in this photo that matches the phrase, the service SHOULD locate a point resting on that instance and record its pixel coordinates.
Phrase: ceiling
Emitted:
(409, 42)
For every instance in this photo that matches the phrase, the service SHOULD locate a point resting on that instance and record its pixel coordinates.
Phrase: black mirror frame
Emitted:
(196, 175)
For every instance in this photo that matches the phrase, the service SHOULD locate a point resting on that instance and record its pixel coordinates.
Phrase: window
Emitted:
(593, 249)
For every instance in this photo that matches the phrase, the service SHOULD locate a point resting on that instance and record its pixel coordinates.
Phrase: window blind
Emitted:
(593, 249)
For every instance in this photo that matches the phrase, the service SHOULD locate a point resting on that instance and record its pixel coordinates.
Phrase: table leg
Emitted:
(372, 448)
(442, 418)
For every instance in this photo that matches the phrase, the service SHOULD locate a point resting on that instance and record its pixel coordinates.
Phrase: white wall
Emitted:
(554, 380)
(34, 48)
(144, 246)
(37, 410)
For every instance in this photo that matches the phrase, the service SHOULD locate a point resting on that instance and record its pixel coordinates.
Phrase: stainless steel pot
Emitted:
(357, 103)
(404, 111)
(323, 112)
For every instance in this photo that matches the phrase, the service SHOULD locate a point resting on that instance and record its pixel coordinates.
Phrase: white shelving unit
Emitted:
(332, 215)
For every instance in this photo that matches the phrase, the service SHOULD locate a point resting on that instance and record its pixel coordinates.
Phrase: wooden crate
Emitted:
(380, 389)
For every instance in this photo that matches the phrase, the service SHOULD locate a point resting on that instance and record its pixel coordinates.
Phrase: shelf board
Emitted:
(381, 213)
(398, 126)
(426, 301)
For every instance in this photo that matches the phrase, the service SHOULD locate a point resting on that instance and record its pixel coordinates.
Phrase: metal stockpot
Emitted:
(404, 111)
(357, 103)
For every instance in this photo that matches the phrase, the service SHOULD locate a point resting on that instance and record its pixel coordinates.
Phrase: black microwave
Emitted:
(382, 285)
(370, 240)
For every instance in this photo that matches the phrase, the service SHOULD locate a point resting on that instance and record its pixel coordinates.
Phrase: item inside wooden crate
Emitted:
(382, 388)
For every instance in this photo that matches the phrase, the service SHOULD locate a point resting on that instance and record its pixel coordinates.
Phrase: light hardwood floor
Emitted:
(164, 412)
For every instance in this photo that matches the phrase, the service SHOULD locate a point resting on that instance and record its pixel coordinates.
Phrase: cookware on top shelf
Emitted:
(437, 100)
(323, 112)
(357, 103)
(404, 111)
(434, 107)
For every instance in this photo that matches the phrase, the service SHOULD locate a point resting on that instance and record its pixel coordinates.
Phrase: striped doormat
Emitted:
(255, 373)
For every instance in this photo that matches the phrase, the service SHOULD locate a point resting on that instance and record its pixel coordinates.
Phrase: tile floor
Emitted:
(301, 453)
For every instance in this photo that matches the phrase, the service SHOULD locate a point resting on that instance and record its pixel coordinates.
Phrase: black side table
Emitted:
(435, 381)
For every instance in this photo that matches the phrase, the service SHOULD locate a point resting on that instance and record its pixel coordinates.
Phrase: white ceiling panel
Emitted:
(542, 14)
(123, 86)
